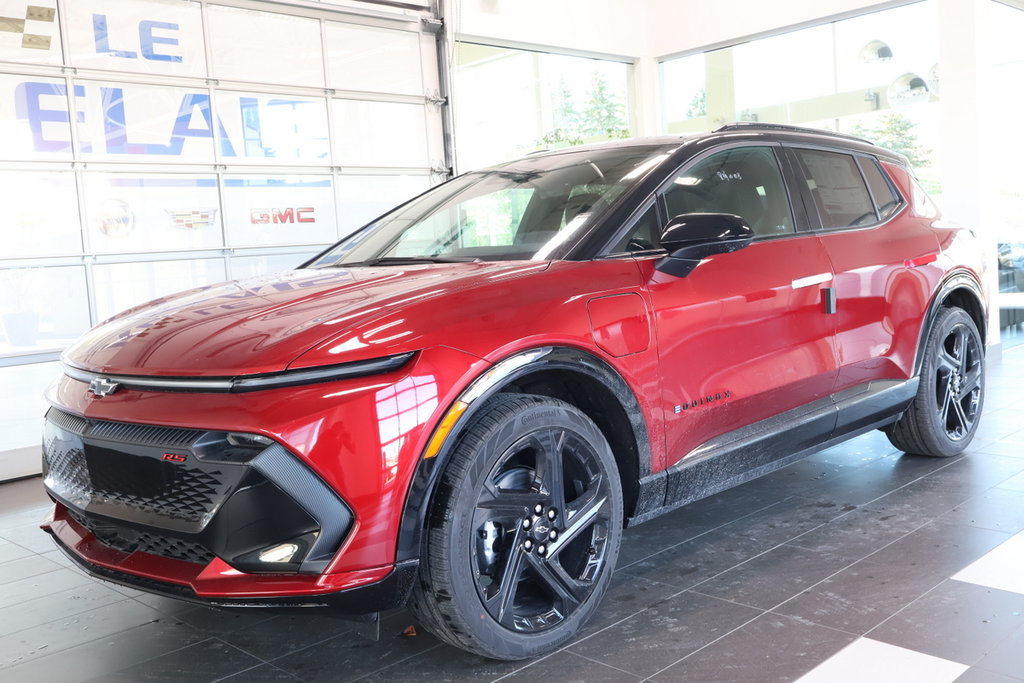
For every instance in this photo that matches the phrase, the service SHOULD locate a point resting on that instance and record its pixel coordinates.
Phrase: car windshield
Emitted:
(521, 210)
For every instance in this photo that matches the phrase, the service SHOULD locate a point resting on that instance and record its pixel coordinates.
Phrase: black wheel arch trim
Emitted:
(957, 280)
(495, 380)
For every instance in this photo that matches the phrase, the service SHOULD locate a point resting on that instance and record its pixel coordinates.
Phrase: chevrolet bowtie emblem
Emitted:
(101, 386)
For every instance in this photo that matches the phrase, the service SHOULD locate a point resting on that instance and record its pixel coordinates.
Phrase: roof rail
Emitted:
(757, 125)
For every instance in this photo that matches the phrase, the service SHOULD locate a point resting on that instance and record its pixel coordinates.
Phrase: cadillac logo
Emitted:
(101, 386)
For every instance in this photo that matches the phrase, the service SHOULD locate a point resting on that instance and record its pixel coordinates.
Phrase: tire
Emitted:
(944, 415)
(524, 530)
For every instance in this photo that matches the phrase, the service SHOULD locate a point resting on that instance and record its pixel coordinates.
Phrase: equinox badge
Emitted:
(101, 386)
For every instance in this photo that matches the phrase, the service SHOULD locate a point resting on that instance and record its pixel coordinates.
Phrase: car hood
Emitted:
(262, 324)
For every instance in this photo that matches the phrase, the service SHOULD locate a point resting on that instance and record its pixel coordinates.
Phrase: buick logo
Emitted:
(101, 386)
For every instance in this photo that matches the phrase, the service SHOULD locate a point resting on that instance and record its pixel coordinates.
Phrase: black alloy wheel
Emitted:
(942, 419)
(958, 380)
(529, 521)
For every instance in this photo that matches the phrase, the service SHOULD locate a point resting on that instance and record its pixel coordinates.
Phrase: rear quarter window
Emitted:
(838, 188)
(886, 199)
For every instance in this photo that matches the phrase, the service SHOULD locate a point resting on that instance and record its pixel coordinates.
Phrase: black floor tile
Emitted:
(206, 661)
(26, 568)
(566, 667)
(665, 633)
(940, 548)
(773, 577)
(350, 656)
(105, 655)
(770, 648)
(626, 596)
(696, 560)
(443, 663)
(858, 533)
(264, 673)
(862, 596)
(61, 634)
(12, 551)
(1006, 658)
(997, 509)
(958, 621)
(53, 606)
(976, 675)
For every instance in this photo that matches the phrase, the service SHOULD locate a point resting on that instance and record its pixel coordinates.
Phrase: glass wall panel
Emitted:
(875, 76)
(31, 32)
(20, 420)
(265, 210)
(516, 101)
(162, 37)
(363, 198)
(252, 266)
(133, 122)
(380, 134)
(42, 308)
(261, 46)
(123, 285)
(34, 121)
(132, 213)
(273, 129)
(374, 59)
(1004, 179)
(41, 214)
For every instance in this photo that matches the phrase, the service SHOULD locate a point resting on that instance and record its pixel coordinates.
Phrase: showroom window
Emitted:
(150, 146)
(875, 76)
(511, 102)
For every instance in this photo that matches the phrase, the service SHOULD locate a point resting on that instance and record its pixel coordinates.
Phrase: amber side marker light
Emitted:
(445, 428)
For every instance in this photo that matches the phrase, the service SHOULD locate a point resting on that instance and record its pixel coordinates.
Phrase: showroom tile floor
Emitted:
(856, 564)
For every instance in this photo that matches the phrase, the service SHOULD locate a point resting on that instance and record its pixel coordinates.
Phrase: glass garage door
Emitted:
(148, 146)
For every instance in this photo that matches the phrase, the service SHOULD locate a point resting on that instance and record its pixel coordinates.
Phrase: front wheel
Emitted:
(524, 533)
(944, 416)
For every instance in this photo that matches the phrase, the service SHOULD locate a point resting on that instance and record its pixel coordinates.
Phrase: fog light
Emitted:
(283, 552)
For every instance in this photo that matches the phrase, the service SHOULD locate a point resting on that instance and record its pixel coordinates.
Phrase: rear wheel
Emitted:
(944, 416)
(524, 532)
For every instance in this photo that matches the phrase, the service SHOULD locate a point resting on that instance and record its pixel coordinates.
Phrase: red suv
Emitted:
(459, 406)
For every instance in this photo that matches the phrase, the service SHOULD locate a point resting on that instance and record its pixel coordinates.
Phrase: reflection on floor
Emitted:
(856, 564)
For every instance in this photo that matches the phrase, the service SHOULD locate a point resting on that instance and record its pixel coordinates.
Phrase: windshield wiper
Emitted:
(400, 260)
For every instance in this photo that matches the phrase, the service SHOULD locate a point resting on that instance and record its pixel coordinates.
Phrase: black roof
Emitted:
(778, 131)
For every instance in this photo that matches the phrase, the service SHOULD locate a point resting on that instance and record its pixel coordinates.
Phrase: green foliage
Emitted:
(603, 116)
(698, 105)
(895, 131)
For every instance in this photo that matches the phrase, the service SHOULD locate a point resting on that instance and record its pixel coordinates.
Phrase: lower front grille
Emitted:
(129, 540)
(157, 480)
(192, 495)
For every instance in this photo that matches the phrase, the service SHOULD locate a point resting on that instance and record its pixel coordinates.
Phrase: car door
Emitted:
(744, 336)
(883, 259)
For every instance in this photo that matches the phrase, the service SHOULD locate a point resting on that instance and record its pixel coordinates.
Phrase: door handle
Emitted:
(811, 280)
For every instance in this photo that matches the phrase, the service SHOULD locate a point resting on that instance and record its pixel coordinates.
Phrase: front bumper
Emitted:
(191, 513)
(353, 593)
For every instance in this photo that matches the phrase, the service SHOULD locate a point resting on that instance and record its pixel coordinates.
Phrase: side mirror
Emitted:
(691, 237)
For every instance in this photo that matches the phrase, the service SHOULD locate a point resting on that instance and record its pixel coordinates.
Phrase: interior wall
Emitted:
(610, 27)
(675, 26)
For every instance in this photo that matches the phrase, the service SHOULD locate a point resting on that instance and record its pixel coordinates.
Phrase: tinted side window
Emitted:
(745, 181)
(887, 201)
(838, 188)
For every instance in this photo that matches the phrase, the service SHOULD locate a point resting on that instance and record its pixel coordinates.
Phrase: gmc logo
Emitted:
(263, 216)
